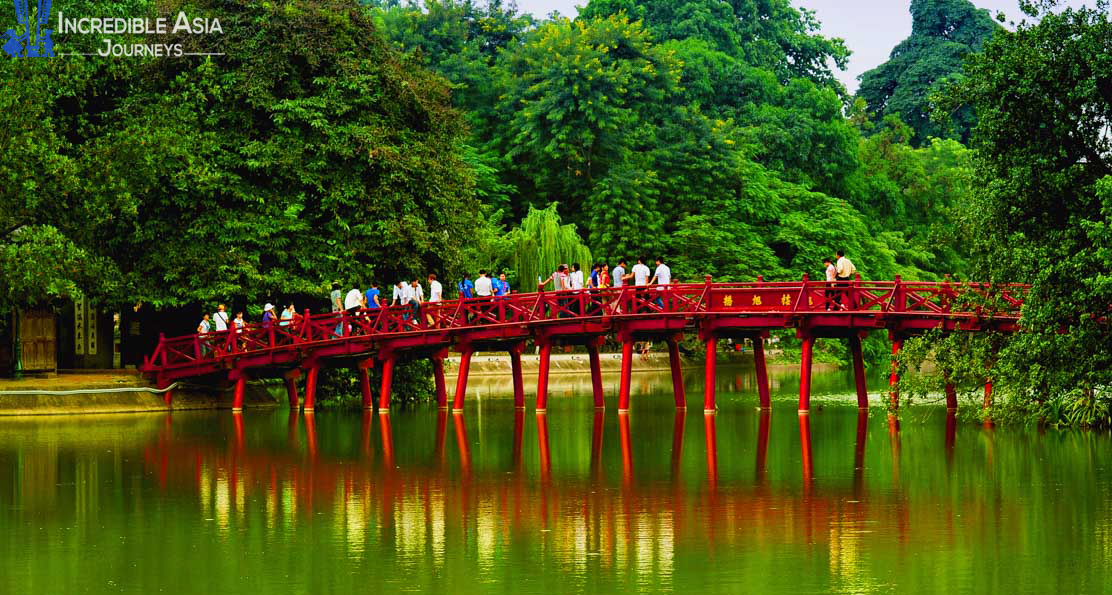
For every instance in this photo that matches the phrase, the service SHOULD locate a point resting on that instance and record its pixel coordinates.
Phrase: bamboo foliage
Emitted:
(541, 243)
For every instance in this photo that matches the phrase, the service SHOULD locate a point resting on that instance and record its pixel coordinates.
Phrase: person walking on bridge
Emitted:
(336, 298)
(620, 276)
(466, 287)
(436, 295)
(373, 296)
(662, 277)
(640, 280)
(220, 319)
(845, 271)
(203, 330)
(833, 297)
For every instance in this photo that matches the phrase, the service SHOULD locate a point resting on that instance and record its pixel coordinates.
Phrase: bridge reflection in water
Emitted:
(610, 516)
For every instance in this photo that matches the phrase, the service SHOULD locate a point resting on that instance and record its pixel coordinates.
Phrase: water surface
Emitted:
(496, 501)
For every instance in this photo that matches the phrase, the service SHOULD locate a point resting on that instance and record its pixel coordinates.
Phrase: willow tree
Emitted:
(541, 243)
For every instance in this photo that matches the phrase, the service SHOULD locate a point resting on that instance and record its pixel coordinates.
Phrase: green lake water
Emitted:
(496, 501)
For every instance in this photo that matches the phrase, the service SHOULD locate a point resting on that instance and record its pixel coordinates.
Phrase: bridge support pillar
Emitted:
(519, 381)
(859, 372)
(290, 379)
(894, 376)
(596, 375)
(951, 396)
(461, 379)
(365, 382)
(627, 373)
(805, 374)
(311, 387)
(677, 373)
(987, 404)
(438, 377)
(709, 405)
(388, 361)
(542, 377)
(241, 388)
(762, 372)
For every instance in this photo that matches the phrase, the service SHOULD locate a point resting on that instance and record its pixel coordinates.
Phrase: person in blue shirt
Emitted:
(501, 285)
(466, 287)
(373, 299)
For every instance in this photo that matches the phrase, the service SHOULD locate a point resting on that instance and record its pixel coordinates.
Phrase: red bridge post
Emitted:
(542, 376)
(596, 373)
(312, 370)
(711, 434)
(951, 395)
(894, 376)
(241, 386)
(438, 377)
(805, 373)
(461, 377)
(677, 372)
(859, 372)
(762, 372)
(987, 404)
(388, 360)
(291, 386)
(627, 372)
(515, 367)
(365, 367)
(709, 405)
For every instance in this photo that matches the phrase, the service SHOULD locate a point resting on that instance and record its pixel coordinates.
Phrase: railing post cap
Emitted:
(760, 278)
(806, 277)
(898, 279)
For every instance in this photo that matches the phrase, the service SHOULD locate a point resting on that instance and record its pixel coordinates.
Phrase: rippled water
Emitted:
(499, 501)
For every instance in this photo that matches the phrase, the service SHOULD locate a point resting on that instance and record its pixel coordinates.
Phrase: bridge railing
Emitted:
(682, 300)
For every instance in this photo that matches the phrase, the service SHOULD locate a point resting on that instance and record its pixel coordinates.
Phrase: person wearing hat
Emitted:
(268, 316)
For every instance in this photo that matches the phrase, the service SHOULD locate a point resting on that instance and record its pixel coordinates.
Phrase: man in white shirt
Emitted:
(640, 273)
(353, 300)
(483, 287)
(399, 288)
(845, 271)
(436, 290)
(220, 319)
(844, 267)
(576, 276)
(662, 277)
(663, 274)
(436, 295)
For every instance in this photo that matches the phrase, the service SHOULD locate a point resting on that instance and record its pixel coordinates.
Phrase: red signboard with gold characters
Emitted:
(757, 300)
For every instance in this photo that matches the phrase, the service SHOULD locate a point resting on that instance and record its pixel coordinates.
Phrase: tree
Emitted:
(943, 33)
(580, 107)
(297, 158)
(1042, 204)
(768, 34)
(541, 243)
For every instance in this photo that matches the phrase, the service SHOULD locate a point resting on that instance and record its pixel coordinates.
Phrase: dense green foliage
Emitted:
(943, 33)
(710, 132)
(309, 152)
(1041, 213)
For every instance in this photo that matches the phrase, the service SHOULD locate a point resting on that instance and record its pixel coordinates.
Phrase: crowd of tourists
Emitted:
(411, 294)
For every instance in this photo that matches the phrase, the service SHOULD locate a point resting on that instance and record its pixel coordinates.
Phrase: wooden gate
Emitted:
(37, 341)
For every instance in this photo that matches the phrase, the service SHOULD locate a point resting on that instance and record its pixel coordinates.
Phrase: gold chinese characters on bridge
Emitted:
(750, 300)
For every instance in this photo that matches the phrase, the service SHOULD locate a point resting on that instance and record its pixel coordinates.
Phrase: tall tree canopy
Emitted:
(1042, 208)
(943, 33)
(310, 151)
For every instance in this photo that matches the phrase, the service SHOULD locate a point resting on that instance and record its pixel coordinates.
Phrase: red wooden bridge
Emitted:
(711, 311)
